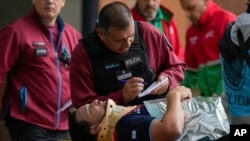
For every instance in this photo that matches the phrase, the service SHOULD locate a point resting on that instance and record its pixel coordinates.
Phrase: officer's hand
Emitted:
(132, 88)
(163, 87)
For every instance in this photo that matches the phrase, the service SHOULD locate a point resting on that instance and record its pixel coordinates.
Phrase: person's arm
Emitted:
(82, 80)
(163, 60)
(172, 123)
(9, 52)
(171, 65)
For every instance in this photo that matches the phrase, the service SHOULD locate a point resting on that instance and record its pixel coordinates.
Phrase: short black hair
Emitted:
(79, 131)
(115, 14)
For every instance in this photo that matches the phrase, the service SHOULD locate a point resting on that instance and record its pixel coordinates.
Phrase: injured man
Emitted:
(178, 117)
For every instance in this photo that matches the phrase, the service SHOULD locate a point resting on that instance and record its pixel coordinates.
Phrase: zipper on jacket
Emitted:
(55, 49)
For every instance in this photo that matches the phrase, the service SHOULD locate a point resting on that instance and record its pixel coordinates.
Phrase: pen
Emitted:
(124, 81)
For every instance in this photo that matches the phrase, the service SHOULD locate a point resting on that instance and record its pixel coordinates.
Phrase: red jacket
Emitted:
(169, 27)
(202, 42)
(202, 50)
(162, 58)
(37, 82)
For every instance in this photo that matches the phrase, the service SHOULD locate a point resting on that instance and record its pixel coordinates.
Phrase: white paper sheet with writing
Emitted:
(152, 87)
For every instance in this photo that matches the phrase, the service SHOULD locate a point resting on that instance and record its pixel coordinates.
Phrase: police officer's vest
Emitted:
(110, 67)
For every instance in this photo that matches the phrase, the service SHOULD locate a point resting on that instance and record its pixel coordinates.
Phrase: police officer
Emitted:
(120, 57)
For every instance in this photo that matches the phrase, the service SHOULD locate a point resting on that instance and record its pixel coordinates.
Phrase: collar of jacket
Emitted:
(162, 14)
(34, 15)
(207, 16)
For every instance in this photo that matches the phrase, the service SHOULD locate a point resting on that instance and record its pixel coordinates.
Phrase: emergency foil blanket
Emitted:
(206, 118)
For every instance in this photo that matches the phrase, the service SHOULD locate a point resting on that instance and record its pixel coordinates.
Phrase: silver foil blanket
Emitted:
(205, 118)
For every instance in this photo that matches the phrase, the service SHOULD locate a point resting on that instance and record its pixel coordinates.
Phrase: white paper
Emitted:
(152, 87)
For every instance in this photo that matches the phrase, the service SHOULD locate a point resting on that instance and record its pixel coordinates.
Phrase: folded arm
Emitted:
(171, 125)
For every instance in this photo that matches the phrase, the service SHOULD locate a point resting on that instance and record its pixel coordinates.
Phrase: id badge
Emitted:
(41, 51)
(123, 74)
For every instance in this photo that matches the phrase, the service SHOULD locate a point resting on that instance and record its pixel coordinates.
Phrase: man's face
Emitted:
(94, 112)
(148, 8)
(118, 41)
(194, 9)
(48, 9)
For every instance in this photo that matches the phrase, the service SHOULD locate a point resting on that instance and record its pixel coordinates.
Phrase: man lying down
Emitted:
(178, 117)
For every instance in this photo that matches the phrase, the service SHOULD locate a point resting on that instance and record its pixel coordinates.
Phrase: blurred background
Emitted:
(82, 14)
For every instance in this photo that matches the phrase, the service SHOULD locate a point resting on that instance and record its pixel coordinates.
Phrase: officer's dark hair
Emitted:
(115, 14)
(79, 131)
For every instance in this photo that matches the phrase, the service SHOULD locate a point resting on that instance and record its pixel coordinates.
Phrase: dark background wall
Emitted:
(11, 9)
(73, 13)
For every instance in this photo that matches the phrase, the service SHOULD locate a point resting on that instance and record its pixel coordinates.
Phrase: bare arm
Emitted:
(172, 123)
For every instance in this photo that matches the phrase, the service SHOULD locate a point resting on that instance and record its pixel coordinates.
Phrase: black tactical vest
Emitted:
(110, 67)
